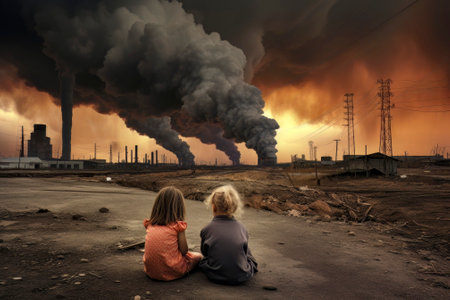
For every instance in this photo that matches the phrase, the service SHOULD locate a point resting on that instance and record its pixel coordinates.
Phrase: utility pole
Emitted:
(385, 131)
(118, 157)
(311, 150)
(337, 141)
(110, 153)
(315, 163)
(349, 117)
(95, 151)
(131, 155)
(22, 154)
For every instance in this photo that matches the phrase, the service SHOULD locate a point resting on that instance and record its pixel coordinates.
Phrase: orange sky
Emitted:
(303, 84)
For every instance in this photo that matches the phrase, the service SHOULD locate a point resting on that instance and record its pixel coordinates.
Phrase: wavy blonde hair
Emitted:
(227, 200)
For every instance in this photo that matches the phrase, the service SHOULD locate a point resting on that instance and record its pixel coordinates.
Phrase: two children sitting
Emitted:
(225, 256)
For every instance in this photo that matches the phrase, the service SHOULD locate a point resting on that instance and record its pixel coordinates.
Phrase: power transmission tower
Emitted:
(385, 131)
(311, 150)
(337, 141)
(349, 117)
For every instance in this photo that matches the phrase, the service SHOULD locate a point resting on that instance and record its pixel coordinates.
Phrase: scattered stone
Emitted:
(78, 217)
(351, 233)
(325, 218)
(2, 282)
(65, 275)
(280, 243)
(114, 227)
(54, 277)
(178, 291)
(84, 260)
(77, 283)
(116, 281)
(377, 259)
(137, 297)
(148, 292)
(17, 278)
(81, 274)
(270, 288)
(308, 221)
(103, 210)
(42, 210)
(294, 213)
(60, 256)
(326, 232)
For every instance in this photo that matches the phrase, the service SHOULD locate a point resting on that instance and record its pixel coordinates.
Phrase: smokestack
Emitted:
(67, 83)
(156, 157)
(131, 156)
(153, 162)
(126, 154)
(145, 158)
(136, 154)
(266, 161)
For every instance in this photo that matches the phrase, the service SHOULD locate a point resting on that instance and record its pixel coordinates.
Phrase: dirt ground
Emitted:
(369, 238)
(415, 204)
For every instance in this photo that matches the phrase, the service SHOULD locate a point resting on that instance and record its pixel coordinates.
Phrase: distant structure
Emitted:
(385, 131)
(349, 117)
(39, 144)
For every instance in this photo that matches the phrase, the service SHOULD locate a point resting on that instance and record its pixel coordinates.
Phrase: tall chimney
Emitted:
(67, 83)
(126, 154)
(266, 161)
(153, 161)
(156, 157)
(131, 156)
(136, 154)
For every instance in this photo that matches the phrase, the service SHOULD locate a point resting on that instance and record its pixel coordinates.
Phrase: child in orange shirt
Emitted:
(166, 255)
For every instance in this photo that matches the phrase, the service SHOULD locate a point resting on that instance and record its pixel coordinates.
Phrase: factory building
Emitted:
(39, 144)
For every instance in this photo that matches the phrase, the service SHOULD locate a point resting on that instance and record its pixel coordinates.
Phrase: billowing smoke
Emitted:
(160, 129)
(208, 133)
(148, 58)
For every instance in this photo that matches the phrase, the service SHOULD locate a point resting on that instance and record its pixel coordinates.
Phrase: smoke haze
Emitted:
(158, 62)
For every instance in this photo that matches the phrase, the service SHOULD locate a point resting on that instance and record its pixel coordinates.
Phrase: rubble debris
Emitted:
(17, 278)
(351, 233)
(84, 260)
(120, 246)
(103, 210)
(42, 211)
(78, 217)
(270, 288)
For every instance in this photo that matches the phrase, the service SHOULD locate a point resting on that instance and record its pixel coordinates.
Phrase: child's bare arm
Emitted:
(182, 243)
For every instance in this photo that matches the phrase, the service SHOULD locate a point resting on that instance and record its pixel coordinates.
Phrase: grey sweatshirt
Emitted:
(227, 258)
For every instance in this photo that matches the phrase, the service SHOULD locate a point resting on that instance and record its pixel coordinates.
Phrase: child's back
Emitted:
(225, 247)
(227, 257)
(166, 256)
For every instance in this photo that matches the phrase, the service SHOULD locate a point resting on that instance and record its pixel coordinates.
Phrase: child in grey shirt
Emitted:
(227, 258)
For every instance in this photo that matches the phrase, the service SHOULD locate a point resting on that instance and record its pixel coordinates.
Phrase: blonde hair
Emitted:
(226, 199)
(168, 207)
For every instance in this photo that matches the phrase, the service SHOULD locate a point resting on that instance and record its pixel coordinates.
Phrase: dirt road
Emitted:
(70, 252)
